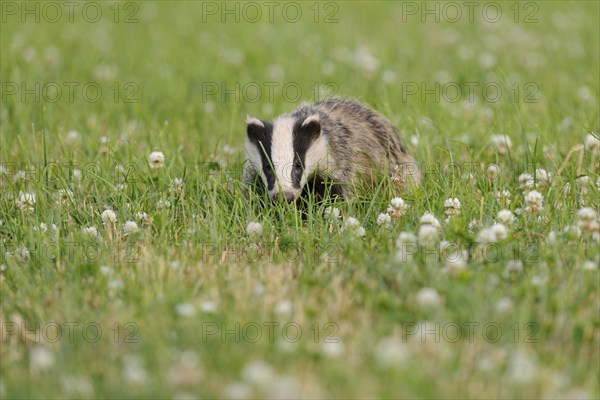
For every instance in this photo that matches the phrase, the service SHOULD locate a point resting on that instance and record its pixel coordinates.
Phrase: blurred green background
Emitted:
(180, 77)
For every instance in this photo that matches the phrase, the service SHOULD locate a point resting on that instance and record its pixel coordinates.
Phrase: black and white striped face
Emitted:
(285, 153)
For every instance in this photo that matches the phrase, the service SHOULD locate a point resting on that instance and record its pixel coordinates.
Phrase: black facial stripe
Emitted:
(262, 138)
(303, 137)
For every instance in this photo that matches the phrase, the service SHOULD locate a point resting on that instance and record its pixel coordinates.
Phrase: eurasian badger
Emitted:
(338, 141)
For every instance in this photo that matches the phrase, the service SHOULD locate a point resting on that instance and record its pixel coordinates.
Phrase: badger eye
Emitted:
(298, 165)
(268, 171)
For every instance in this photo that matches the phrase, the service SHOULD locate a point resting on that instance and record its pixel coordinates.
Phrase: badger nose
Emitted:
(286, 195)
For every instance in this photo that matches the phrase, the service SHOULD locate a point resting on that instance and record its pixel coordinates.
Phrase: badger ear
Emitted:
(254, 126)
(312, 125)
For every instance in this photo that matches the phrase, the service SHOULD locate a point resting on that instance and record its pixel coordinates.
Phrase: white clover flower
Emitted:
(537, 280)
(551, 237)
(130, 227)
(444, 245)
(587, 214)
(156, 160)
(90, 231)
(430, 219)
(505, 217)
(254, 229)
(428, 297)
(364, 59)
(390, 351)
(176, 187)
(589, 266)
(493, 234)
(116, 284)
(428, 234)
(504, 305)
(522, 367)
(526, 181)
(163, 204)
(397, 207)
(228, 150)
(513, 267)
(588, 220)
(500, 231)
(452, 207)
(258, 372)
(333, 349)
(486, 236)
(208, 306)
(534, 202)
(283, 308)
(105, 270)
(332, 212)
(237, 390)
(493, 172)
(109, 217)
(19, 176)
(455, 262)
(406, 245)
(548, 152)
(78, 387)
(474, 225)
(583, 180)
(468, 177)
(405, 237)
(592, 143)
(142, 217)
(23, 253)
(502, 143)
(26, 202)
(41, 358)
(503, 197)
(353, 225)
(352, 222)
(572, 231)
(543, 177)
(133, 371)
(185, 309)
(384, 219)
(73, 139)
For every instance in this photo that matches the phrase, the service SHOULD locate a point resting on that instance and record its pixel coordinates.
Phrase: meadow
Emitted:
(134, 263)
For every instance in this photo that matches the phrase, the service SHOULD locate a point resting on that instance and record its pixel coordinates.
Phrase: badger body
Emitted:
(336, 143)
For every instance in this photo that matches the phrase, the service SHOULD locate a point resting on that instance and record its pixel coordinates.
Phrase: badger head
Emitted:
(285, 153)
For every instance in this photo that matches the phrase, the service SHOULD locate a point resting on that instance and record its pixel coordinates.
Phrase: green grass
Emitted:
(178, 303)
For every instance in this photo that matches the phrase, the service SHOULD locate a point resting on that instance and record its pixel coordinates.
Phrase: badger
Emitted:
(334, 145)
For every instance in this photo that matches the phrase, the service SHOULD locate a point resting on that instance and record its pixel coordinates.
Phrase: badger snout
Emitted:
(284, 195)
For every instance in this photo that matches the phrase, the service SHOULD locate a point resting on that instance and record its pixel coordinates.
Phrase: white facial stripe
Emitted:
(282, 152)
(317, 156)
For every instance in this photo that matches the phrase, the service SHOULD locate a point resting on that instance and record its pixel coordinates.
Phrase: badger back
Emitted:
(366, 140)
